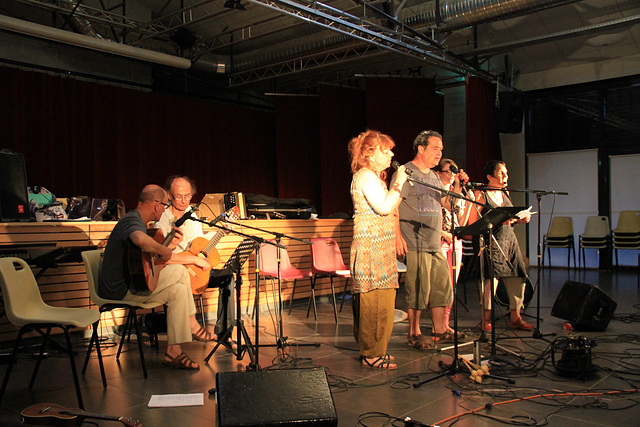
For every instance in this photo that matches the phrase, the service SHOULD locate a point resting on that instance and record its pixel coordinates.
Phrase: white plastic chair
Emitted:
(26, 309)
(93, 264)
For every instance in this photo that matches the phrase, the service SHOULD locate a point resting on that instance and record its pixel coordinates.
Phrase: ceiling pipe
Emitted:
(67, 37)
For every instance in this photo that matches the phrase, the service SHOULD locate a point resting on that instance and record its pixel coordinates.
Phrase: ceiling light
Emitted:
(606, 39)
(234, 4)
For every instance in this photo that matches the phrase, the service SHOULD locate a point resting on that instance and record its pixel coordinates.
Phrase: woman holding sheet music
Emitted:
(507, 261)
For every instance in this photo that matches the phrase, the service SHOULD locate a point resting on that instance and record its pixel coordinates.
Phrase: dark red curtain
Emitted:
(483, 141)
(82, 138)
(298, 148)
(342, 116)
(402, 108)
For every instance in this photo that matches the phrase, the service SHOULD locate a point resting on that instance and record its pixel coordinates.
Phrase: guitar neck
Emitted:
(213, 242)
(126, 421)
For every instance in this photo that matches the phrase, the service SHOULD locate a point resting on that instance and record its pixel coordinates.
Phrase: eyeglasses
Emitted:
(448, 172)
(183, 197)
(166, 205)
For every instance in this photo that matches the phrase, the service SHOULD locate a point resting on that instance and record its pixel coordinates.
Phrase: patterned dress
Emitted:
(373, 251)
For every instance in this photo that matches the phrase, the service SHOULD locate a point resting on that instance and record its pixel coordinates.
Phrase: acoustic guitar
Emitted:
(204, 248)
(52, 414)
(143, 267)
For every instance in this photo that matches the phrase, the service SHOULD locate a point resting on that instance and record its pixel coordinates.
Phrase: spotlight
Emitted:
(234, 4)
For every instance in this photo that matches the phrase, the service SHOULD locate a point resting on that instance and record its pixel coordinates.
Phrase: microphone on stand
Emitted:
(186, 216)
(217, 219)
(396, 165)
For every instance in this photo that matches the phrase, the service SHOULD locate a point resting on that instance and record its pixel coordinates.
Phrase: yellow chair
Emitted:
(26, 309)
(93, 263)
(626, 235)
(560, 236)
(597, 235)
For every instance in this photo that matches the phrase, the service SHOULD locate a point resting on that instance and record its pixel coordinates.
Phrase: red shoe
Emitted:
(521, 324)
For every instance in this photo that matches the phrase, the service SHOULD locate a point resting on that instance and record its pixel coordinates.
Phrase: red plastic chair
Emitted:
(269, 267)
(327, 261)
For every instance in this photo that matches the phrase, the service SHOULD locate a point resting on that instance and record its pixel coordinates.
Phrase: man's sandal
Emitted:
(181, 361)
(203, 335)
(447, 337)
(419, 341)
(379, 363)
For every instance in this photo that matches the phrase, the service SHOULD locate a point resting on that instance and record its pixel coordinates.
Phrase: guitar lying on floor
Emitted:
(207, 249)
(52, 414)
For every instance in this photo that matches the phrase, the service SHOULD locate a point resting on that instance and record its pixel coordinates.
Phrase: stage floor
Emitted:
(377, 397)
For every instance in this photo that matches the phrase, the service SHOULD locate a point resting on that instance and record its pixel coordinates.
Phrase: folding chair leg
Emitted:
(12, 360)
(293, 292)
(94, 338)
(312, 299)
(140, 349)
(333, 299)
(127, 327)
(73, 367)
(43, 346)
(344, 294)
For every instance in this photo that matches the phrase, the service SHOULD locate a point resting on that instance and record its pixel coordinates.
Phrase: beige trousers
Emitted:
(174, 290)
(373, 321)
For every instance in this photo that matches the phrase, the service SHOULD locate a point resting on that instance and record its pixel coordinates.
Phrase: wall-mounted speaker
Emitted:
(584, 305)
(510, 112)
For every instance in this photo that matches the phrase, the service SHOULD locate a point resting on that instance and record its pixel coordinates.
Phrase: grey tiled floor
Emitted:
(374, 396)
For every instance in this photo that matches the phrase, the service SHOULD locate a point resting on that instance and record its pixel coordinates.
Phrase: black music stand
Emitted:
(234, 265)
(484, 226)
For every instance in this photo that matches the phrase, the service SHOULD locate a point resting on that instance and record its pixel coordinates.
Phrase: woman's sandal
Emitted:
(203, 335)
(181, 361)
(420, 342)
(379, 363)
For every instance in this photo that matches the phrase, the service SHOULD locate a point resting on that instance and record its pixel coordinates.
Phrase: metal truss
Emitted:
(401, 40)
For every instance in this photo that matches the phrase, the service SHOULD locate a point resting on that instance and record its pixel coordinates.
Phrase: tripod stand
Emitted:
(234, 264)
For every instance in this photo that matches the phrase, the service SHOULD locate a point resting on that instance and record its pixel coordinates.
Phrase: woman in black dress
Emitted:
(507, 261)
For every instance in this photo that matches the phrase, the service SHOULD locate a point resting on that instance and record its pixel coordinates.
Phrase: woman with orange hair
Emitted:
(373, 254)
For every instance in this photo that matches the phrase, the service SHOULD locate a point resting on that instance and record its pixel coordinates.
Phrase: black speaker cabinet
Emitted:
(585, 306)
(14, 197)
(291, 397)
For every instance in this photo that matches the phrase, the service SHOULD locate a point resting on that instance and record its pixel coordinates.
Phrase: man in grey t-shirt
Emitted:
(418, 234)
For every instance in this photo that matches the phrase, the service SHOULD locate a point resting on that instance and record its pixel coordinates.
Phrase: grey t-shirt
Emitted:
(112, 284)
(421, 211)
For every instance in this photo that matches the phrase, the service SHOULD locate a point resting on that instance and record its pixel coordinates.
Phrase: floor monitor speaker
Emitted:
(289, 397)
(584, 305)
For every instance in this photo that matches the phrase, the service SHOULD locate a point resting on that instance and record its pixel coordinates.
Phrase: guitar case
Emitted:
(262, 206)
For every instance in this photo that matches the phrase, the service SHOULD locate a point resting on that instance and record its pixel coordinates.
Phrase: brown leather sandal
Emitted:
(203, 335)
(181, 361)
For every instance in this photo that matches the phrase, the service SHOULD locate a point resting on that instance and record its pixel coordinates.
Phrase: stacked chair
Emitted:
(626, 235)
(327, 261)
(597, 235)
(560, 236)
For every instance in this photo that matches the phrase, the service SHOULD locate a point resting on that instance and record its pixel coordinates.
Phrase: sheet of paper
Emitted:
(173, 400)
(524, 212)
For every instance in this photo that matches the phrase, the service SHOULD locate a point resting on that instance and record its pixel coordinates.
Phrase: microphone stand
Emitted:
(539, 193)
(455, 365)
(281, 340)
(252, 349)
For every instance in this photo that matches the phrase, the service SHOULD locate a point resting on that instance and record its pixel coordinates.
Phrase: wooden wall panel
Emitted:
(66, 286)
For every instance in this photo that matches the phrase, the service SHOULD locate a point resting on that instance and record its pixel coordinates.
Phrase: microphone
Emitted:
(453, 168)
(187, 215)
(474, 184)
(396, 165)
(217, 219)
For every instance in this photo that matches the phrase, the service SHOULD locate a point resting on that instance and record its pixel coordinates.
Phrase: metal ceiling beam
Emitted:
(403, 40)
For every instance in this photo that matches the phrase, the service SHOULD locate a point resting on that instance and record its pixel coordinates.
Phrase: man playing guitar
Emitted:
(172, 288)
(181, 190)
